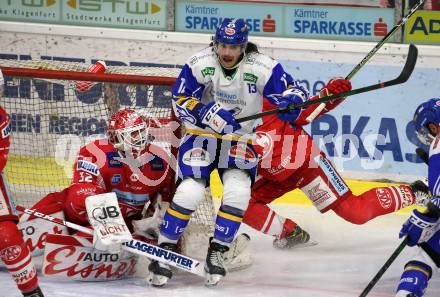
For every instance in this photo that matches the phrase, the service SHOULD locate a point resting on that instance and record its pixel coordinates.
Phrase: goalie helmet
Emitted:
(425, 114)
(127, 131)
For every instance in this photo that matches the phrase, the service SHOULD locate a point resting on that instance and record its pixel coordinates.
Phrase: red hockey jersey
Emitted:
(101, 164)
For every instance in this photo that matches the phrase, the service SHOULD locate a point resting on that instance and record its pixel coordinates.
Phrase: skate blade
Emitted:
(212, 279)
(156, 280)
(311, 242)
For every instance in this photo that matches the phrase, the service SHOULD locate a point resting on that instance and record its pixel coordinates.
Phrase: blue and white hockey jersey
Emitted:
(202, 80)
(434, 187)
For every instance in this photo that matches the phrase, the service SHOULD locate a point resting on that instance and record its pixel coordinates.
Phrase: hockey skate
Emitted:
(298, 238)
(160, 273)
(421, 191)
(215, 266)
(35, 293)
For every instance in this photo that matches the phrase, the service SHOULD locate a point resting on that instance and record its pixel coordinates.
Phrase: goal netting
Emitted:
(52, 119)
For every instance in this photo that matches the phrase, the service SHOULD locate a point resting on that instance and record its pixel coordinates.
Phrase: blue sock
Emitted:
(175, 220)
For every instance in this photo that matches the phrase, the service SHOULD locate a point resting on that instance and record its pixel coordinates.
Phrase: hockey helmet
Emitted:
(128, 131)
(232, 31)
(426, 113)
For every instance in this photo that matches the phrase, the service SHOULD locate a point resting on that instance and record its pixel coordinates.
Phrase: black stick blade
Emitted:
(410, 64)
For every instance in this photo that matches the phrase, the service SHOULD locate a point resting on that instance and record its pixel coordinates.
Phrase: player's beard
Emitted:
(227, 59)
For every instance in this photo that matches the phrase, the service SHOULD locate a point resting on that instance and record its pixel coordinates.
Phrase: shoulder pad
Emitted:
(204, 57)
(260, 62)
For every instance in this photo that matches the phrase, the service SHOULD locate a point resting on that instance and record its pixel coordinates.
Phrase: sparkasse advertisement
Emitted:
(303, 21)
(206, 16)
(345, 23)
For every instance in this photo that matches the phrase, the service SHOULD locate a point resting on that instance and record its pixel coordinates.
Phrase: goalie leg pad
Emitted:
(108, 224)
(238, 257)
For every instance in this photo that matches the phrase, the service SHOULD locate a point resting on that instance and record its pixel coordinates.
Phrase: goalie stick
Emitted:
(370, 54)
(410, 63)
(134, 246)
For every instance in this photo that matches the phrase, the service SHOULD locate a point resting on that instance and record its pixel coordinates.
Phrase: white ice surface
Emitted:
(341, 265)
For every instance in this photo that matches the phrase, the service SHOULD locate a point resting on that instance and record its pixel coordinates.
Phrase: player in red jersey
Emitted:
(14, 253)
(125, 163)
(289, 160)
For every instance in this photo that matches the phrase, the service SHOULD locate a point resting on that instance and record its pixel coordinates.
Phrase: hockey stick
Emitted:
(403, 77)
(384, 39)
(384, 268)
(375, 49)
(133, 246)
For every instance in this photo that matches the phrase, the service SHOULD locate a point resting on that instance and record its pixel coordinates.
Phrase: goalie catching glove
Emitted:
(108, 224)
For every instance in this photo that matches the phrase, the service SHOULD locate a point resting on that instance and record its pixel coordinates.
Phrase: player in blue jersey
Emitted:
(224, 82)
(423, 228)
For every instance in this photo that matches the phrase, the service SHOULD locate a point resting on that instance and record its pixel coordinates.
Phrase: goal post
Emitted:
(51, 119)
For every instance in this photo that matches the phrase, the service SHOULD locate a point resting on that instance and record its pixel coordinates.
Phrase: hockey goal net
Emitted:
(52, 119)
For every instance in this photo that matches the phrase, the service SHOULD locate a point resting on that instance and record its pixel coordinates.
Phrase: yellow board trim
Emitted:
(45, 172)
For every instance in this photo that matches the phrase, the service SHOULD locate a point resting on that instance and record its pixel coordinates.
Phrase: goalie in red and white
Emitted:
(14, 252)
(290, 160)
(113, 180)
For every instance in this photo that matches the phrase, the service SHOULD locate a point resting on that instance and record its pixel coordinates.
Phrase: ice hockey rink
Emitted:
(341, 265)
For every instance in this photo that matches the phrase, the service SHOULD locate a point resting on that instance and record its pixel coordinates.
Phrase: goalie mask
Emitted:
(230, 42)
(425, 114)
(128, 131)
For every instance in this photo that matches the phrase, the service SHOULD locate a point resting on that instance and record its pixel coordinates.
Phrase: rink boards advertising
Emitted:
(143, 14)
(301, 21)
